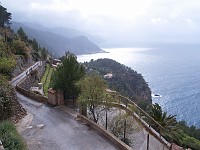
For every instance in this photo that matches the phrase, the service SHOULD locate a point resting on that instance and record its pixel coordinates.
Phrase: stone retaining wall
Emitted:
(105, 133)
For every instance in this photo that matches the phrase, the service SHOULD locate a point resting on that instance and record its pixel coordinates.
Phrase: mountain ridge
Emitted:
(58, 44)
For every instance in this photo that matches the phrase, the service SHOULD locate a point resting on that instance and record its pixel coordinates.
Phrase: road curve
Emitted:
(60, 131)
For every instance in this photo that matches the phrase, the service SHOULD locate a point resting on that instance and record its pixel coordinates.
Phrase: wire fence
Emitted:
(126, 121)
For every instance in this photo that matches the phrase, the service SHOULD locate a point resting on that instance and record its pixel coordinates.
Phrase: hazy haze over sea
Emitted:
(171, 72)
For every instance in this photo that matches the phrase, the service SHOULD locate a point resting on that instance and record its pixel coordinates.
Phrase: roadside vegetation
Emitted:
(12, 46)
(10, 137)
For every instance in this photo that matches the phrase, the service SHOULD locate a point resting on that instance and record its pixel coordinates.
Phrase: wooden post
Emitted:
(125, 131)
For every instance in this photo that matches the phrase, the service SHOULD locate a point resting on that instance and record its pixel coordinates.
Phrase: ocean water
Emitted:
(173, 73)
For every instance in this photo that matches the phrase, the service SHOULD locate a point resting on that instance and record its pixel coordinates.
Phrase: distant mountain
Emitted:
(64, 31)
(58, 44)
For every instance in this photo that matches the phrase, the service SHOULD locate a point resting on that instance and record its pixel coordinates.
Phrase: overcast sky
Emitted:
(117, 20)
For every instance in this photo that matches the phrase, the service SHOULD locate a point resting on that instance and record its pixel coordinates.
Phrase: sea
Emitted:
(173, 73)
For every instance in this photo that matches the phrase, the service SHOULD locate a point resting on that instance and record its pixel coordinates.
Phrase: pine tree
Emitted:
(5, 17)
(66, 75)
(22, 34)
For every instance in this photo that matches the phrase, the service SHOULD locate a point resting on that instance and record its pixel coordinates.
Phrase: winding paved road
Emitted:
(60, 132)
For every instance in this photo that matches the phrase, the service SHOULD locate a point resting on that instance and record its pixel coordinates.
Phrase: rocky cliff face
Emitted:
(123, 79)
(21, 65)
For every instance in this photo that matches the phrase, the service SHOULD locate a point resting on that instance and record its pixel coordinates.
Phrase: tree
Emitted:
(22, 34)
(35, 45)
(44, 53)
(66, 75)
(5, 17)
(4, 51)
(93, 94)
(19, 47)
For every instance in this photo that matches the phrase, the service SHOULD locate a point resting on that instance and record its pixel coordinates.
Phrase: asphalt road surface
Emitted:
(60, 132)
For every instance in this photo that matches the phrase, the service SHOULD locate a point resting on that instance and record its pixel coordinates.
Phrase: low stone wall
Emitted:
(107, 134)
(29, 94)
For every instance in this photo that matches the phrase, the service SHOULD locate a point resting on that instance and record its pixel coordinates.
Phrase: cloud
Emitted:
(159, 21)
(121, 20)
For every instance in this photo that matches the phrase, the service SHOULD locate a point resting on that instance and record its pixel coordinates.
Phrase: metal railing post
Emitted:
(147, 141)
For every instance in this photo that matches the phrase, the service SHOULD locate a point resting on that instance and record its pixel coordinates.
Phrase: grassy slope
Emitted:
(46, 78)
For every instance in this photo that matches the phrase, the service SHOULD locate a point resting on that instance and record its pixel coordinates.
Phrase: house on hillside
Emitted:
(56, 62)
(108, 76)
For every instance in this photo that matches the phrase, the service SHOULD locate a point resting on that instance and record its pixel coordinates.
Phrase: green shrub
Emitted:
(10, 138)
(7, 65)
(190, 142)
(19, 47)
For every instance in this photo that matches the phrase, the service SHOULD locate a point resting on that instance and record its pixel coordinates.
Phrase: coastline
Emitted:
(165, 73)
